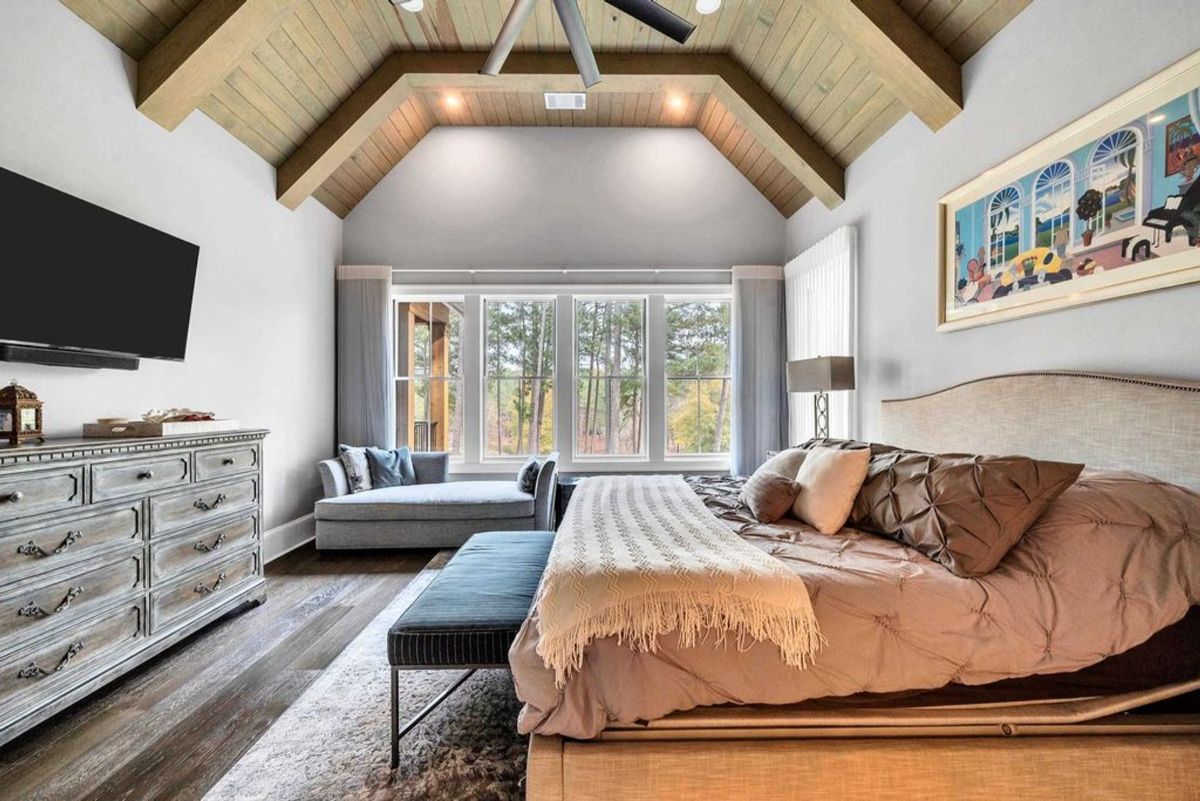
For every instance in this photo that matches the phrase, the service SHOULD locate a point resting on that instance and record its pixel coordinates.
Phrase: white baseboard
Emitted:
(288, 537)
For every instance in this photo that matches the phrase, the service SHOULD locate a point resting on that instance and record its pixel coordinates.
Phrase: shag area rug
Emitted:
(332, 743)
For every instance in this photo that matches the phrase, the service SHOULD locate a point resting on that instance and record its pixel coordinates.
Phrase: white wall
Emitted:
(534, 197)
(1058, 60)
(261, 343)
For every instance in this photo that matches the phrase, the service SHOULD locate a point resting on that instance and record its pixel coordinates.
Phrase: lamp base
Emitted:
(821, 414)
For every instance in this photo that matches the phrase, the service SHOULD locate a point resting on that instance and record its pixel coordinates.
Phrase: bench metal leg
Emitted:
(397, 732)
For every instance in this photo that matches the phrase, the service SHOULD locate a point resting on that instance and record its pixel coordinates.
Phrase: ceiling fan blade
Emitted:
(663, 20)
(581, 46)
(509, 31)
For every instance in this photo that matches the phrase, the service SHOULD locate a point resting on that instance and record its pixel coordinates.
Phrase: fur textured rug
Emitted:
(332, 743)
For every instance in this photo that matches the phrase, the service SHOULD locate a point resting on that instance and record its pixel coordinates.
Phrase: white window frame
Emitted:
(509, 459)
(472, 296)
(644, 454)
(431, 298)
(667, 300)
(1102, 233)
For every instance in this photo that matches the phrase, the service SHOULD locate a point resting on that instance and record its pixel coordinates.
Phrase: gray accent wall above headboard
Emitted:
(1148, 425)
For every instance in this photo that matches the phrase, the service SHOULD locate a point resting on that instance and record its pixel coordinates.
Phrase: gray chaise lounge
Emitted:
(434, 512)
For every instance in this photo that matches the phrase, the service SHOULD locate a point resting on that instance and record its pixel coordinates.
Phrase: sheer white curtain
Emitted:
(821, 296)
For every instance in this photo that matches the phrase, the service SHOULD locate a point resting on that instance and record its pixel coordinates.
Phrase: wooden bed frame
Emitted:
(1084, 748)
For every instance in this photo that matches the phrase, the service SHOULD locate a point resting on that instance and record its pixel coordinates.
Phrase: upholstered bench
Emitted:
(469, 614)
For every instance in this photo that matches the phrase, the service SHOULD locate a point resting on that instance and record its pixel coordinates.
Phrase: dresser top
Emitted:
(55, 449)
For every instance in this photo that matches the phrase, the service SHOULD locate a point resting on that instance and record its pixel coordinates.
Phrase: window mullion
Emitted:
(655, 366)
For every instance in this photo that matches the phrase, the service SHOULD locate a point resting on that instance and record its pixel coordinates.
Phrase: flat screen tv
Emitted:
(80, 278)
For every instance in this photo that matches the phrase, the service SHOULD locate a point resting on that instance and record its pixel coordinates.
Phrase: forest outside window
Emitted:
(610, 363)
(698, 380)
(429, 372)
(518, 377)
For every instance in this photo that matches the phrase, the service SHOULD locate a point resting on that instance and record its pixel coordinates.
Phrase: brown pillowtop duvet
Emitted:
(1114, 559)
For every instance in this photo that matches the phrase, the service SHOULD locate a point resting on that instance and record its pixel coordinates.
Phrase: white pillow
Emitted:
(829, 482)
(786, 463)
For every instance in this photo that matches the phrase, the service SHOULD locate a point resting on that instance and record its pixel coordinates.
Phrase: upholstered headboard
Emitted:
(1148, 425)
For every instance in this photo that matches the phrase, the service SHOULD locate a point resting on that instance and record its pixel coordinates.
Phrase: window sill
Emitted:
(584, 467)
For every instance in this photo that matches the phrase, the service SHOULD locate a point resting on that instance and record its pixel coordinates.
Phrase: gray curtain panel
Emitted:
(366, 394)
(759, 357)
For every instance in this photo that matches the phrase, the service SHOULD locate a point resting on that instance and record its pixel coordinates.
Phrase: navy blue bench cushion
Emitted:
(471, 612)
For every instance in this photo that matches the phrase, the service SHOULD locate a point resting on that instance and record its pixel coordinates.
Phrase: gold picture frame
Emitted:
(1107, 207)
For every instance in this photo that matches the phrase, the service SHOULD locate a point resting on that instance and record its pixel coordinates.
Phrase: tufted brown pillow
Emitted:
(769, 495)
(962, 510)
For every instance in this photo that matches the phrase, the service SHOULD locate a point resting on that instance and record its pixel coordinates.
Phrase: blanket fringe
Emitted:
(695, 615)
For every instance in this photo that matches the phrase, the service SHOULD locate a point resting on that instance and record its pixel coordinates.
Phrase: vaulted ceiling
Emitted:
(335, 93)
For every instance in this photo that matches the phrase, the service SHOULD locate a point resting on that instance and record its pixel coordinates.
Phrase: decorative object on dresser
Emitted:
(821, 375)
(160, 423)
(20, 414)
(111, 552)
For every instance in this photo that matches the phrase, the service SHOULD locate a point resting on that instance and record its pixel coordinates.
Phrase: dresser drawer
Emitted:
(71, 657)
(226, 462)
(200, 505)
(45, 546)
(40, 491)
(117, 479)
(203, 589)
(170, 557)
(41, 606)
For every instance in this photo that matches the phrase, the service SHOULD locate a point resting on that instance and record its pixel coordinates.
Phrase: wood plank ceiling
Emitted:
(283, 89)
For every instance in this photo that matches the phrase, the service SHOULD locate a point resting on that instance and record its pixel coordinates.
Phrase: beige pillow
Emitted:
(769, 495)
(785, 463)
(829, 482)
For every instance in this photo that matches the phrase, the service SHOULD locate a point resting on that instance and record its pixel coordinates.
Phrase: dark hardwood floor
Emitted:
(172, 728)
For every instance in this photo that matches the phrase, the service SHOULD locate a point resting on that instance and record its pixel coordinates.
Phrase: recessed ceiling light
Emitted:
(702, 6)
(676, 102)
(451, 101)
(417, 5)
(569, 101)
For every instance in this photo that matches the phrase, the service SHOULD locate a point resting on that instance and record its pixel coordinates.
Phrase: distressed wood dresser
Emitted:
(113, 550)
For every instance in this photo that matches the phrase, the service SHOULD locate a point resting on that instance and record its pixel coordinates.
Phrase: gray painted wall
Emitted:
(1058, 60)
(261, 341)
(564, 197)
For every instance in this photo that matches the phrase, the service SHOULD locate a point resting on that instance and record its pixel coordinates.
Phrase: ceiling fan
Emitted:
(648, 12)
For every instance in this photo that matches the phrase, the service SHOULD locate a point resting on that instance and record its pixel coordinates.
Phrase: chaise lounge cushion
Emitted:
(471, 612)
(455, 500)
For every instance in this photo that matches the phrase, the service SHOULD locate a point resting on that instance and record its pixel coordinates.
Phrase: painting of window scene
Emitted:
(1130, 196)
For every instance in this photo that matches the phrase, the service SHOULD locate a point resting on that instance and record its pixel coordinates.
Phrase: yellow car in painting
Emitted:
(1028, 269)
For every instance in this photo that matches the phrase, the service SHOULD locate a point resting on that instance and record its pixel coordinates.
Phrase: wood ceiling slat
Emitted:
(139, 18)
(255, 119)
(330, 202)
(165, 11)
(870, 110)
(271, 110)
(963, 17)
(280, 69)
(873, 130)
(825, 83)
(988, 25)
(101, 17)
(220, 114)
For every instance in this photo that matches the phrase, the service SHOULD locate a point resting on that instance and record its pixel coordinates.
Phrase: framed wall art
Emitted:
(1107, 207)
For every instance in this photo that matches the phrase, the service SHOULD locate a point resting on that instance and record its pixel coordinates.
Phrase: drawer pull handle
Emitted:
(14, 497)
(204, 548)
(31, 548)
(228, 460)
(204, 589)
(32, 609)
(35, 671)
(146, 475)
(208, 507)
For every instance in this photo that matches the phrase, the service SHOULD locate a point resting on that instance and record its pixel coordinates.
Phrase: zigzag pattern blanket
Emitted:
(638, 557)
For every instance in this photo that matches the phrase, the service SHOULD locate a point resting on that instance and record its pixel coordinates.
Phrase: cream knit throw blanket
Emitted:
(641, 556)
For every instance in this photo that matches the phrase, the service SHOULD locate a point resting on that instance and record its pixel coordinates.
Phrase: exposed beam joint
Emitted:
(911, 64)
(200, 52)
(406, 72)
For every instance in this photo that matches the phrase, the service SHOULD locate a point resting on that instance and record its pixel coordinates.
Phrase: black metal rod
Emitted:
(397, 732)
(663, 20)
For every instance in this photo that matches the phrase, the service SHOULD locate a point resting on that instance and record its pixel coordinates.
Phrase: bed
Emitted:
(1072, 729)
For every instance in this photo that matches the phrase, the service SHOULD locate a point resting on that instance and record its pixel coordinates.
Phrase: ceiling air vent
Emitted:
(568, 101)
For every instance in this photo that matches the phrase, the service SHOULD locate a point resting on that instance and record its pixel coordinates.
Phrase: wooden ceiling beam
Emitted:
(917, 70)
(406, 72)
(185, 67)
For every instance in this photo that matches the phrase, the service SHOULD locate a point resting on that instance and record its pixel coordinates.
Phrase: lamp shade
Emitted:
(822, 374)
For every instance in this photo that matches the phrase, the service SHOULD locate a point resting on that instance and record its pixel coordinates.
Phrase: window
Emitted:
(1114, 174)
(1004, 226)
(610, 359)
(429, 371)
(697, 378)
(518, 377)
(1052, 191)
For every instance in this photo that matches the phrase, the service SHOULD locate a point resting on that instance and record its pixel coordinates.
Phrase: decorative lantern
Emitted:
(20, 415)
